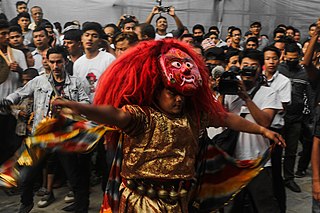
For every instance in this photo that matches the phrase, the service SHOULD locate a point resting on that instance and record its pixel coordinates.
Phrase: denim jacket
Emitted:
(41, 89)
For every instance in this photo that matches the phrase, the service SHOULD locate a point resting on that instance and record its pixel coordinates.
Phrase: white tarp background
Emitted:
(222, 13)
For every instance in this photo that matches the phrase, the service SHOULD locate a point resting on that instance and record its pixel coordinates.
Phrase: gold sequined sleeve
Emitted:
(139, 120)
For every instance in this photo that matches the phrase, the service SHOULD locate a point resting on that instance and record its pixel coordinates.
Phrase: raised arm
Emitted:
(307, 60)
(176, 19)
(107, 114)
(155, 10)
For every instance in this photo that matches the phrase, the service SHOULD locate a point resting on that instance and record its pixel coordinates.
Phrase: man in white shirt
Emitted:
(16, 62)
(260, 109)
(162, 23)
(282, 85)
(93, 63)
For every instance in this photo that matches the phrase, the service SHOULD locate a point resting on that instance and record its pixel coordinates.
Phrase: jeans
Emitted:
(278, 183)
(9, 141)
(291, 135)
(29, 175)
(315, 206)
(306, 140)
(77, 168)
(257, 196)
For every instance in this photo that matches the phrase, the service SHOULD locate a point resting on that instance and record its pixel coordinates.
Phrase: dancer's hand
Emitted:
(67, 107)
(276, 137)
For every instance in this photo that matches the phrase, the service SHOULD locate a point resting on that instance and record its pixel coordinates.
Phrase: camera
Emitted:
(228, 84)
(249, 71)
(129, 16)
(164, 9)
(161, 8)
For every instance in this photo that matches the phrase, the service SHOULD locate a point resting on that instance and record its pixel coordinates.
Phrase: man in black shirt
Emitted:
(294, 112)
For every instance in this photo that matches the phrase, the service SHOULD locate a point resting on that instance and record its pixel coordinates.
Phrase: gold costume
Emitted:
(157, 147)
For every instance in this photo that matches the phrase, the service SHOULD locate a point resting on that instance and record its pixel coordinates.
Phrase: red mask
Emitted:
(180, 72)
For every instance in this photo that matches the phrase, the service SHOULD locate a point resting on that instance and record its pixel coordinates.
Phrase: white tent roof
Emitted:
(222, 13)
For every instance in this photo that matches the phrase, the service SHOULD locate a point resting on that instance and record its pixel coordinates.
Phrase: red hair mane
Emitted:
(134, 77)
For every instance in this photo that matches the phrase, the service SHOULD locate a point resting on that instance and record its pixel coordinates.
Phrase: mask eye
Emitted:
(176, 64)
(189, 65)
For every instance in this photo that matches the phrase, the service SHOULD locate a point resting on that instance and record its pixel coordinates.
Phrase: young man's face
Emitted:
(29, 59)
(312, 30)
(121, 46)
(188, 40)
(236, 36)
(271, 61)
(137, 30)
(4, 36)
(289, 56)
(109, 31)
(50, 31)
(278, 36)
(255, 29)
(251, 45)
(233, 61)
(25, 78)
(292, 59)
(290, 33)
(129, 27)
(162, 24)
(305, 46)
(90, 40)
(296, 36)
(22, 8)
(24, 22)
(45, 62)
(197, 32)
(214, 38)
(15, 39)
(280, 46)
(40, 39)
(56, 63)
(248, 62)
(72, 46)
(170, 102)
(36, 14)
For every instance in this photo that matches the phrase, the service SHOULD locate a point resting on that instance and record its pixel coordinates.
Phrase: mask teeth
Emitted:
(184, 80)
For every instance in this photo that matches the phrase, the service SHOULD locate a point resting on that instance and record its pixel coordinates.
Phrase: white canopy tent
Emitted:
(222, 13)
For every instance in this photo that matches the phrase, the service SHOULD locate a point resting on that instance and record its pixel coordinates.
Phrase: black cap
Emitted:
(214, 53)
(255, 23)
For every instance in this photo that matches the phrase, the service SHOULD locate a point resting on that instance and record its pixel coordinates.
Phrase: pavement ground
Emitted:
(296, 202)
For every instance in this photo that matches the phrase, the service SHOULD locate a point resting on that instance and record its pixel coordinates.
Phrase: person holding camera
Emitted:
(258, 104)
(162, 24)
(128, 25)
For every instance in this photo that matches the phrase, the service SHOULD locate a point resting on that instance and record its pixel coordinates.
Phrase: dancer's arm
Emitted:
(238, 123)
(101, 114)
